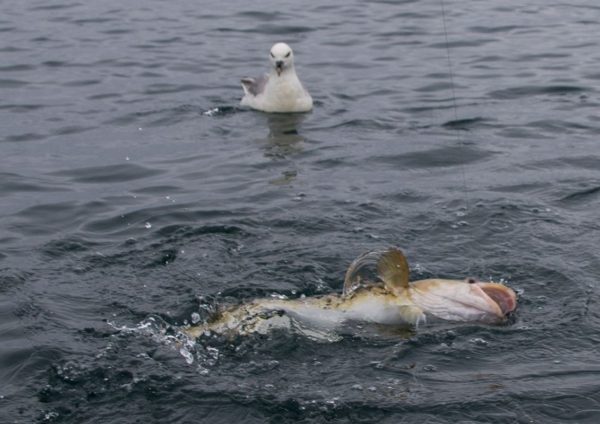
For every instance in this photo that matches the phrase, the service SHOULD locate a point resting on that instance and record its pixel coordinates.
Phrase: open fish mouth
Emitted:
(503, 296)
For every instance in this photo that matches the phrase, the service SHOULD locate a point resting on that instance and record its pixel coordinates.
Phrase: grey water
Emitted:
(135, 195)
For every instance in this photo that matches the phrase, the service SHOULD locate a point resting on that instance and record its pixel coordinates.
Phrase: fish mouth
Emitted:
(503, 296)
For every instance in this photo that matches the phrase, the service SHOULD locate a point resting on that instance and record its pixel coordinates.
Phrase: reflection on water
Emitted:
(284, 137)
(133, 187)
(283, 141)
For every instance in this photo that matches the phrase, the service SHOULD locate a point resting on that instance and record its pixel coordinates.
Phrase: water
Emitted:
(136, 195)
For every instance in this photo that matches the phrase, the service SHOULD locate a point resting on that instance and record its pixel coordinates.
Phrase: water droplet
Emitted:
(148, 225)
(211, 112)
(50, 416)
(195, 318)
(127, 158)
(189, 358)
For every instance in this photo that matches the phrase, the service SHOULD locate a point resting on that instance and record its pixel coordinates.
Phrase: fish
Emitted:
(389, 299)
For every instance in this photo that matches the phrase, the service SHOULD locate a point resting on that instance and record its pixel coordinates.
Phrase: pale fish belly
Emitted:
(330, 311)
(323, 314)
(380, 310)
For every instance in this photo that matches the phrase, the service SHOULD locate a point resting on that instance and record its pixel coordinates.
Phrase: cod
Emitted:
(389, 299)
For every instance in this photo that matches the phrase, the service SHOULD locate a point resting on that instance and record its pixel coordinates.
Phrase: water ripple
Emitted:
(107, 174)
(137, 196)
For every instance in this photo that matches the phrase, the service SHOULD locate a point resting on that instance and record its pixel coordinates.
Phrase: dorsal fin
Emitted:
(392, 268)
(358, 272)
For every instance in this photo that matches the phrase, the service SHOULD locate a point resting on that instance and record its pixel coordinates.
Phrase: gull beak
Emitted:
(279, 67)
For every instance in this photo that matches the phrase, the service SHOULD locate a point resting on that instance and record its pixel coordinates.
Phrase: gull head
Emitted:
(281, 57)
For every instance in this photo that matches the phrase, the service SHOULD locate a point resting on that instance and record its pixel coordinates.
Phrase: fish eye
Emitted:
(288, 54)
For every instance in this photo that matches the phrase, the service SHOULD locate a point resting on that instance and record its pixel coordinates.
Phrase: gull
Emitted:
(280, 90)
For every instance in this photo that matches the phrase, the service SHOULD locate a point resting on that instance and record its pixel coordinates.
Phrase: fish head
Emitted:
(282, 57)
(465, 301)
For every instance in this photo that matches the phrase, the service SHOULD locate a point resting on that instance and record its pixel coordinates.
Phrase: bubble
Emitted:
(50, 416)
(211, 112)
(187, 354)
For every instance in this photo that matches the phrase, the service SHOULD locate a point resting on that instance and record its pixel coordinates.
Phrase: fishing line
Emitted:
(454, 107)
(459, 138)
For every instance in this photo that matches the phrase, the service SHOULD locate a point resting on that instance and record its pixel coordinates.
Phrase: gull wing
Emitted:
(254, 86)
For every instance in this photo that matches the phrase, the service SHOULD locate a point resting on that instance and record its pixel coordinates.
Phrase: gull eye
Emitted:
(288, 54)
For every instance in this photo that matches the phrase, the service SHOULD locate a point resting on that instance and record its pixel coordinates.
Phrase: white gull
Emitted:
(280, 90)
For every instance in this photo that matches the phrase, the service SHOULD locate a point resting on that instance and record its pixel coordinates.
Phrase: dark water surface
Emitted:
(135, 194)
